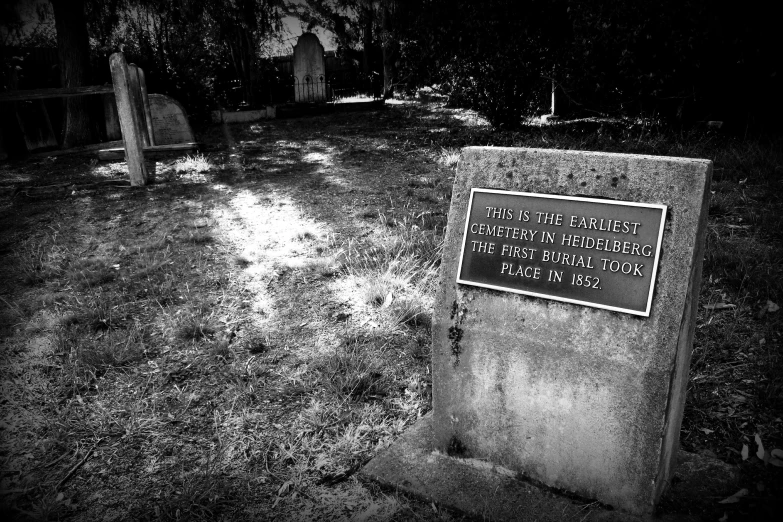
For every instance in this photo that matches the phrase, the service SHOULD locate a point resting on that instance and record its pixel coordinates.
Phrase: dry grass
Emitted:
(238, 348)
(196, 163)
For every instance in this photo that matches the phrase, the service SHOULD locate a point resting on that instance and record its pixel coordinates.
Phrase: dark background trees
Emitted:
(679, 61)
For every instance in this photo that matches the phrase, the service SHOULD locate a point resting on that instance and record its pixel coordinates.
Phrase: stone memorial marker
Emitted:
(309, 69)
(169, 121)
(565, 315)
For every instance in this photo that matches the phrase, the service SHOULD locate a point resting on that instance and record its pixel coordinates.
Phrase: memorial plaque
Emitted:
(586, 251)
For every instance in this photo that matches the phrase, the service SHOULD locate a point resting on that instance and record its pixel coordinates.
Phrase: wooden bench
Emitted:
(136, 122)
(136, 119)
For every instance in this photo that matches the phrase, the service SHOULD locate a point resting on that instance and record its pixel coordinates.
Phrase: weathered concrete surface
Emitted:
(578, 398)
(495, 493)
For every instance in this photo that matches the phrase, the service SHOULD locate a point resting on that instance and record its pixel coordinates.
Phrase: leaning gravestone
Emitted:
(309, 69)
(562, 335)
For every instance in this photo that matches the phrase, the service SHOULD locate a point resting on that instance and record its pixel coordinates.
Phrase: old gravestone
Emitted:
(562, 332)
(309, 70)
(563, 335)
(170, 123)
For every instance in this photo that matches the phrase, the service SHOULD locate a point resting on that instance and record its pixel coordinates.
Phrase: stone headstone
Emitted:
(169, 121)
(309, 70)
(562, 353)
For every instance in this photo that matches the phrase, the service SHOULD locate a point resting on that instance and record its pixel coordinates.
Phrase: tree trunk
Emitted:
(389, 49)
(74, 52)
(367, 39)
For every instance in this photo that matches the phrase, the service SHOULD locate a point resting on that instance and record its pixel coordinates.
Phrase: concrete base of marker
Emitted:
(479, 488)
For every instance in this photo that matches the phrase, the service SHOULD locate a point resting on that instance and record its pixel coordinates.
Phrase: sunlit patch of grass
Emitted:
(394, 280)
(243, 260)
(196, 163)
(320, 266)
(306, 232)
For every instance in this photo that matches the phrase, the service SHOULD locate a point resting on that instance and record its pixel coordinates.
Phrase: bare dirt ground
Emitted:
(235, 341)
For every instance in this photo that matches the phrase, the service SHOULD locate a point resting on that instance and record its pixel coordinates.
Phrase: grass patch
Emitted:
(195, 323)
(396, 278)
(353, 370)
(38, 261)
(201, 494)
(201, 237)
(449, 157)
(92, 272)
(196, 163)
(86, 357)
(322, 373)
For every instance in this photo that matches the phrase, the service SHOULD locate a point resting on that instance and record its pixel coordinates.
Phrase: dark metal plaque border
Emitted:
(654, 273)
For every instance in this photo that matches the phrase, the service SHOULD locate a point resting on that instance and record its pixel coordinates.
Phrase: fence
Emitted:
(322, 90)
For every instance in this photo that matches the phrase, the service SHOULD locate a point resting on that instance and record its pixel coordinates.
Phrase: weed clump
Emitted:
(92, 272)
(354, 370)
(195, 324)
(86, 357)
(196, 163)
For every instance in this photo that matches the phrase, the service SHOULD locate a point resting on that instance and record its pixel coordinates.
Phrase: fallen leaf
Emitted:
(745, 452)
(777, 453)
(760, 450)
(735, 497)
(772, 307)
(707, 431)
